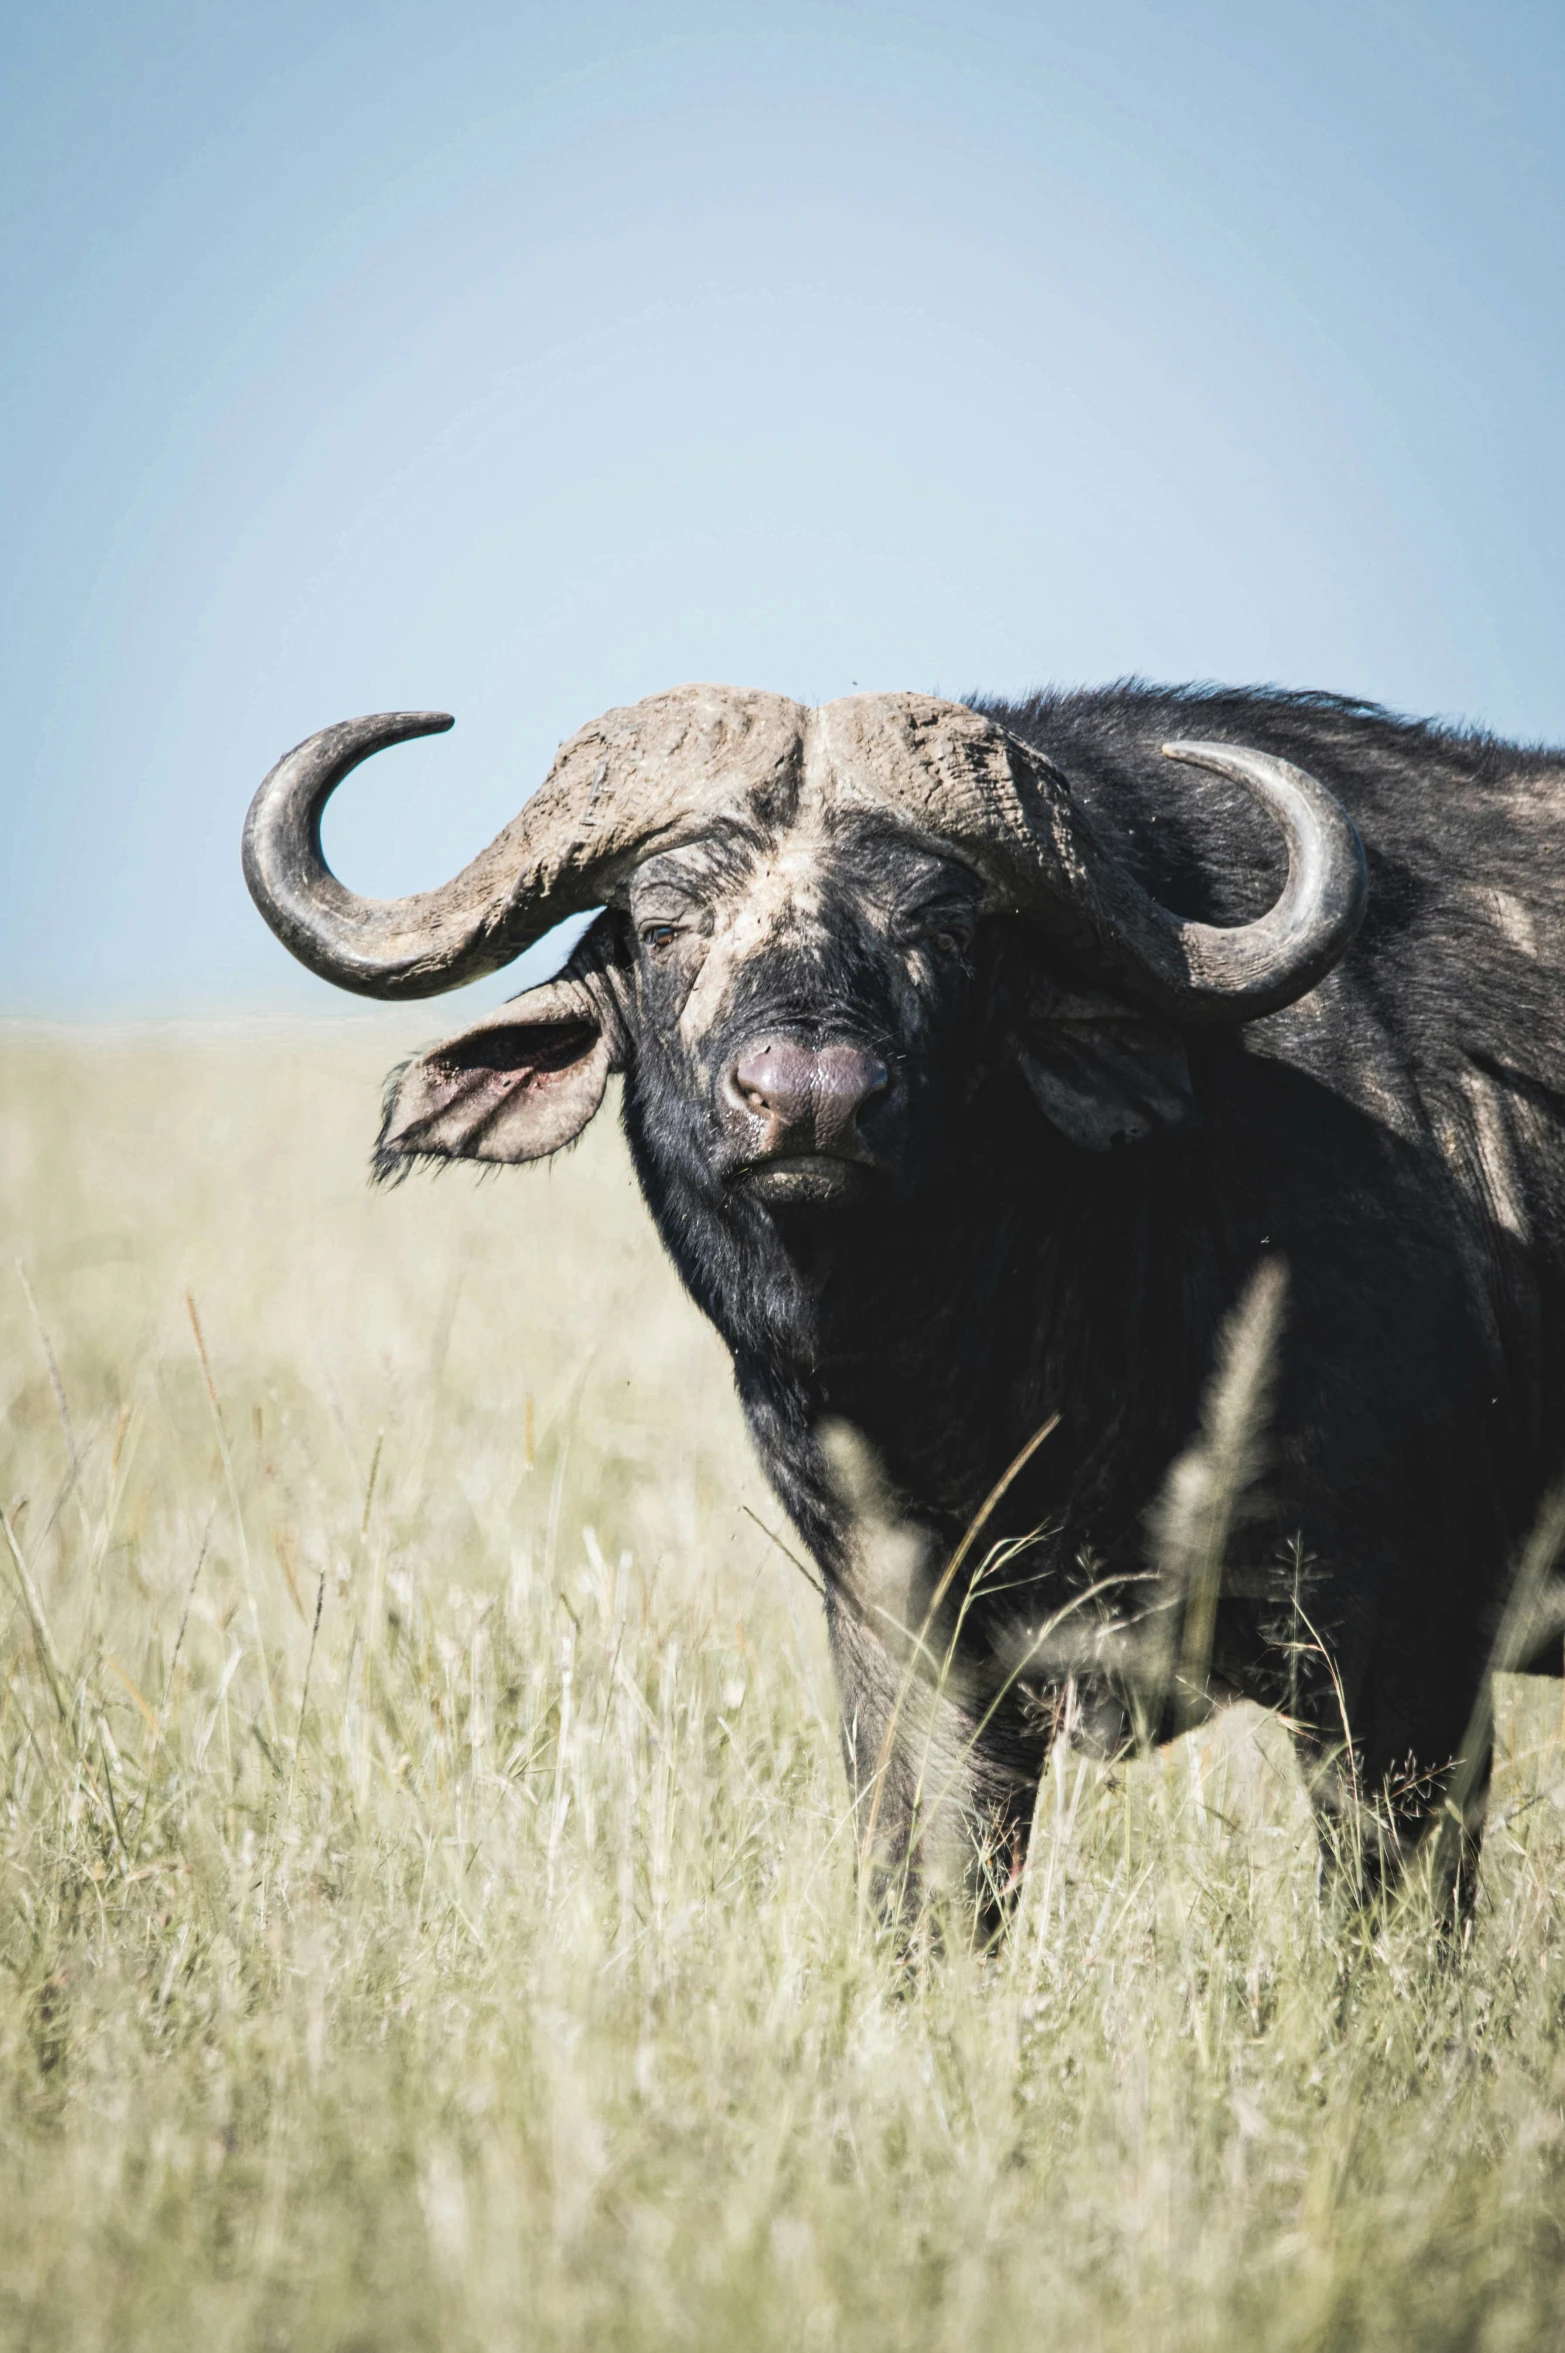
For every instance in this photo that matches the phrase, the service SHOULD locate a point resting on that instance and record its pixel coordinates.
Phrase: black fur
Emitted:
(1395, 1140)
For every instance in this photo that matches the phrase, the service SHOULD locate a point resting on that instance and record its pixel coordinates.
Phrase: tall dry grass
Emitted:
(431, 1915)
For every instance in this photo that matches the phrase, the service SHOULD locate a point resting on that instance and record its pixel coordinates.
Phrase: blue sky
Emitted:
(520, 361)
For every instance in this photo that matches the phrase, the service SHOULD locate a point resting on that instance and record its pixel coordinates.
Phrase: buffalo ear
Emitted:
(519, 1084)
(1099, 1071)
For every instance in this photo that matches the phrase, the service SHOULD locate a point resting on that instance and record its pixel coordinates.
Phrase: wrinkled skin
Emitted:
(934, 1189)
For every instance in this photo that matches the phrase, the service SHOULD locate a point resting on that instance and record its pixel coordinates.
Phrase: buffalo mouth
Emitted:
(804, 1179)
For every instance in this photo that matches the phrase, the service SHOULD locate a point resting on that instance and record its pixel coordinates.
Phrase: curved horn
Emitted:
(626, 784)
(1230, 973)
(962, 779)
(1239, 972)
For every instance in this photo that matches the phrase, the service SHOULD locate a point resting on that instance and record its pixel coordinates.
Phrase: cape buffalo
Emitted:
(975, 1057)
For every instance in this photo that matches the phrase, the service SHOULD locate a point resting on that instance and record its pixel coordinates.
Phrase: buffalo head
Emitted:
(820, 929)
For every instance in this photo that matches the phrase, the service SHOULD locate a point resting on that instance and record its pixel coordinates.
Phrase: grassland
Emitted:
(430, 1912)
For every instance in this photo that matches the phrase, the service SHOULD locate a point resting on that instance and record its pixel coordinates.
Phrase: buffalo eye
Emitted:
(944, 935)
(949, 939)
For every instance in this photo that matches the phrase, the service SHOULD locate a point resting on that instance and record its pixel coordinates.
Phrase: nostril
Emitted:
(749, 1082)
(850, 1077)
(773, 1074)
